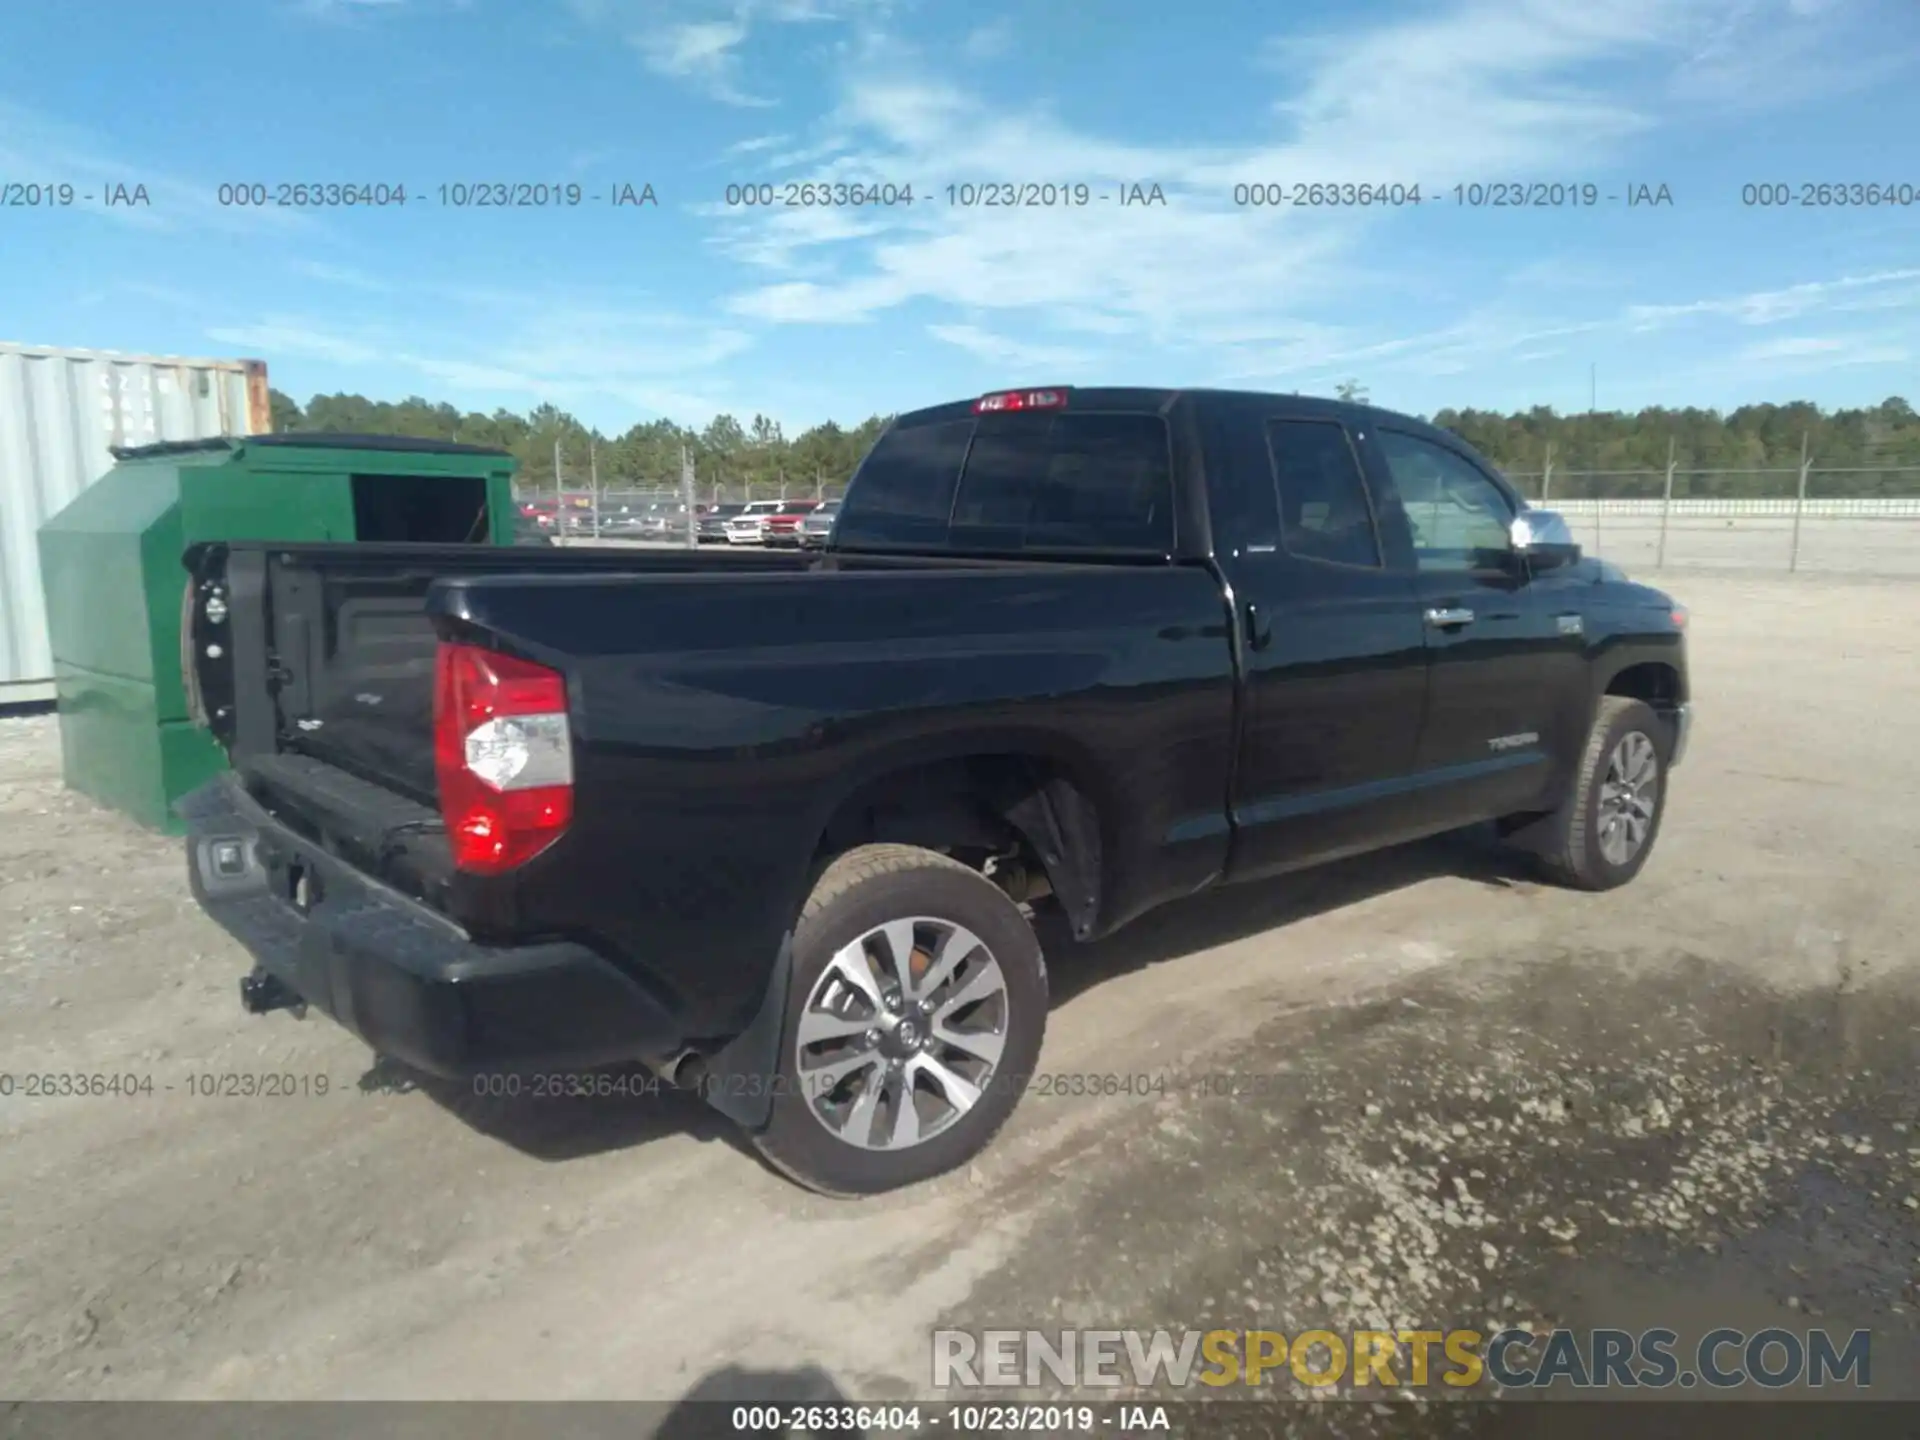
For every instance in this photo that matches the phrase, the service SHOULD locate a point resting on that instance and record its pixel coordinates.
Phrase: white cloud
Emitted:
(1768, 307)
(784, 237)
(1460, 90)
(342, 9)
(1763, 54)
(1500, 339)
(1486, 87)
(753, 145)
(1000, 350)
(1482, 88)
(281, 335)
(538, 345)
(1900, 291)
(35, 144)
(700, 50)
(340, 275)
(989, 41)
(1805, 353)
(584, 160)
(1450, 90)
(701, 42)
(1794, 347)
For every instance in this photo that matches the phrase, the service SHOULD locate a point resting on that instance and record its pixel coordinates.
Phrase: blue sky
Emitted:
(692, 307)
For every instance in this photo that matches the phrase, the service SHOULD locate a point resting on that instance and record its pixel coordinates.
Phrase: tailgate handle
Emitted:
(1446, 619)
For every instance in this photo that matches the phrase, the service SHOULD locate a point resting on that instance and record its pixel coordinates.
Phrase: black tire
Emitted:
(1567, 842)
(870, 886)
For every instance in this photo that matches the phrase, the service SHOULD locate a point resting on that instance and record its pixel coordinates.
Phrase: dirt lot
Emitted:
(1692, 1102)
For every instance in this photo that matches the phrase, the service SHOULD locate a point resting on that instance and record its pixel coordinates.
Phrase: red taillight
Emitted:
(1054, 399)
(503, 756)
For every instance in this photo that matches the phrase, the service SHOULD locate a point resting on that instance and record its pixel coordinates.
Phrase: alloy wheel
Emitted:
(1629, 796)
(901, 1033)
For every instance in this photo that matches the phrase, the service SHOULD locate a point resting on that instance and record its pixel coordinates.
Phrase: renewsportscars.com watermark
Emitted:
(1595, 1359)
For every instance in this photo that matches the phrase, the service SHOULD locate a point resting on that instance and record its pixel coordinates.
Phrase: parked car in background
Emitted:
(664, 521)
(815, 529)
(618, 520)
(711, 527)
(749, 527)
(783, 525)
(531, 529)
(540, 512)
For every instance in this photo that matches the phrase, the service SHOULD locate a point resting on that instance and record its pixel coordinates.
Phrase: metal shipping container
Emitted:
(61, 412)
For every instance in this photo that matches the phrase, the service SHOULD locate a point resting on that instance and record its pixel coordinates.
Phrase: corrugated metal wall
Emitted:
(60, 411)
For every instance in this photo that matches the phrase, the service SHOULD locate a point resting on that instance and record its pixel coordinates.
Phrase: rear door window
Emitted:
(1324, 510)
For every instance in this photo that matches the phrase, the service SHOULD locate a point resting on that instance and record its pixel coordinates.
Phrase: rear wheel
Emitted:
(915, 1011)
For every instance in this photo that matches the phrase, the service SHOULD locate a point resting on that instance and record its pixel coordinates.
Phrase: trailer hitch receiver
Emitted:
(262, 993)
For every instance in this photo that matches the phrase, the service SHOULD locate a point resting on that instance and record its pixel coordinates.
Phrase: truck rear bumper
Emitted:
(406, 980)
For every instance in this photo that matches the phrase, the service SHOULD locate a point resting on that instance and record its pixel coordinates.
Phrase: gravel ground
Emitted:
(1464, 1099)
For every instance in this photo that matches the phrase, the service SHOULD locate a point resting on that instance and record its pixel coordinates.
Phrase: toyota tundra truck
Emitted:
(775, 825)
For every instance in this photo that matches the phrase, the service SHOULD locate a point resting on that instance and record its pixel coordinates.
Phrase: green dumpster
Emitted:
(110, 563)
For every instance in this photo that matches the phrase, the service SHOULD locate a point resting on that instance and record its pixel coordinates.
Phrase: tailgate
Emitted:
(316, 673)
(355, 651)
(328, 656)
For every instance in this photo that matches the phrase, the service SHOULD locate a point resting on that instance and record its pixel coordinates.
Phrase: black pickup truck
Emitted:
(773, 824)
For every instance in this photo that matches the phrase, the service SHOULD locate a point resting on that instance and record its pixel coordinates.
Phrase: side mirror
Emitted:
(1543, 539)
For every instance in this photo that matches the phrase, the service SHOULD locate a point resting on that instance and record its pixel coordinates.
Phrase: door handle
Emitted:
(1447, 619)
(1259, 627)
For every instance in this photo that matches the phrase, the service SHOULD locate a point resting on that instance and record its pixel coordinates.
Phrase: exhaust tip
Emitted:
(689, 1071)
(685, 1070)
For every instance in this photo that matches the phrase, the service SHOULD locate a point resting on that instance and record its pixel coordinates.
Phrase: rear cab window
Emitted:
(1062, 480)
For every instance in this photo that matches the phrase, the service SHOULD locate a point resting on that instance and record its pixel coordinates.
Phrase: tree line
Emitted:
(1713, 453)
(725, 452)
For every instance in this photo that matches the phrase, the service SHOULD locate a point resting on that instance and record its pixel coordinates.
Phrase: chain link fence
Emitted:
(655, 508)
(1862, 521)
(1859, 520)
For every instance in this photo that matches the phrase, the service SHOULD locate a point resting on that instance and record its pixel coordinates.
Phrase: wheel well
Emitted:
(1020, 819)
(1657, 684)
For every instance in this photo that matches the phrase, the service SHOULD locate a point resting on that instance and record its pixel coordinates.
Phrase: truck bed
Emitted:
(352, 643)
(707, 693)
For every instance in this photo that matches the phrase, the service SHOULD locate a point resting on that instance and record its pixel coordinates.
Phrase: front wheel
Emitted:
(1601, 836)
(915, 1011)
